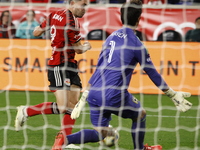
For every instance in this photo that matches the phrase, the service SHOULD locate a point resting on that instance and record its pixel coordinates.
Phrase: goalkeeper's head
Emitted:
(131, 12)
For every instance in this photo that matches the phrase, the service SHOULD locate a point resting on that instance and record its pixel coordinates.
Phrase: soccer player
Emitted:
(107, 91)
(62, 67)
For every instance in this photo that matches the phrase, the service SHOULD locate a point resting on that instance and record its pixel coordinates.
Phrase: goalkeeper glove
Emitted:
(80, 105)
(178, 98)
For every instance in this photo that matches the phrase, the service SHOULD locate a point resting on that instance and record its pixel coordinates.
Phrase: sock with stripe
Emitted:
(43, 108)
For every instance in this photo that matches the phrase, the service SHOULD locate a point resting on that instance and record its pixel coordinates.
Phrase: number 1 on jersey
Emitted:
(112, 44)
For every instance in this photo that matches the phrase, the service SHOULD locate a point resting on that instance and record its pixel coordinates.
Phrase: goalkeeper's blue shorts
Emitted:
(101, 116)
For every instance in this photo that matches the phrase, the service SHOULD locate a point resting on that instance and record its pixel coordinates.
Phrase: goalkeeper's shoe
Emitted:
(59, 141)
(20, 118)
(72, 146)
(154, 147)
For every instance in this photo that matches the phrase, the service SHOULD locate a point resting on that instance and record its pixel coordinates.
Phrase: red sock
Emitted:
(67, 124)
(43, 108)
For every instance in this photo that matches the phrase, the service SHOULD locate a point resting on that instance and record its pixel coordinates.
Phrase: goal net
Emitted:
(162, 29)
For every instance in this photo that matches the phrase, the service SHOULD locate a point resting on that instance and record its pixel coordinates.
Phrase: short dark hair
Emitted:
(131, 12)
(197, 19)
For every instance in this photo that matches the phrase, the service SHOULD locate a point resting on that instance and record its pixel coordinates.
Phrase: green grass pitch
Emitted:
(165, 126)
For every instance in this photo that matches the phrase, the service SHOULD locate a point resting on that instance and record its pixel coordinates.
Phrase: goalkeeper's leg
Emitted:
(83, 136)
(138, 131)
(133, 110)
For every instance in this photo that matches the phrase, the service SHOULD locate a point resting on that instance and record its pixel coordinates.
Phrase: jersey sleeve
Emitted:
(147, 65)
(45, 24)
(73, 36)
(74, 31)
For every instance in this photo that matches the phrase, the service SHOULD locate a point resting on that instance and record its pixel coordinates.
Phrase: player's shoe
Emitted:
(20, 118)
(72, 146)
(154, 147)
(59, 141)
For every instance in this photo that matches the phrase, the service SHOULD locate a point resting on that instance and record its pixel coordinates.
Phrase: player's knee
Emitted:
(62, 109)
(57, 109)
(103, 131)
(143, 114)
(140, 116)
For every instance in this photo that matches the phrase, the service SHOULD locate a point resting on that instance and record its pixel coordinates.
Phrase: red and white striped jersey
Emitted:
(64, 31)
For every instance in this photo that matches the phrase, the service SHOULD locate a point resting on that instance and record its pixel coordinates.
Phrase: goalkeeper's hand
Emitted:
(80, 105)
(178, 98)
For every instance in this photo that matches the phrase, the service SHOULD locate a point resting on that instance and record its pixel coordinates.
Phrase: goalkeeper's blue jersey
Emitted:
(120, 54)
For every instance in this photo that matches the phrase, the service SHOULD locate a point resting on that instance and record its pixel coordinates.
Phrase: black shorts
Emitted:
(63, 76)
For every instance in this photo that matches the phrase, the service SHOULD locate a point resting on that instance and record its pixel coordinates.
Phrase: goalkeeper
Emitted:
(108, 94)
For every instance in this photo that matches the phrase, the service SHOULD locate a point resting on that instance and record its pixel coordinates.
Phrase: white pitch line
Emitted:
(191, 117)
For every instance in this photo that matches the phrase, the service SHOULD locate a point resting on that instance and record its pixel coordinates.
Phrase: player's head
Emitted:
(131, 12)
(78, 7)
(197, 23)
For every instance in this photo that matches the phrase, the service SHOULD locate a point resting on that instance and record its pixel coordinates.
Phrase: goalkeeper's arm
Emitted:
(144, 59)
(177, 97)
(81, 104)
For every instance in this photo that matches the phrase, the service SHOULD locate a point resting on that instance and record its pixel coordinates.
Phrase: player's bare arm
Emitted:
(81, 48)
(38, 31)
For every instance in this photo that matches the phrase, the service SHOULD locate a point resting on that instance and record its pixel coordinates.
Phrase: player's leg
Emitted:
(100, 121)
(83, 136)
(73, 95)
(138, 130)
(23, 112)
(138, 125)
(66, 100)
(72, 98)
(62, 97)
(46, 107)
(133, 110)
